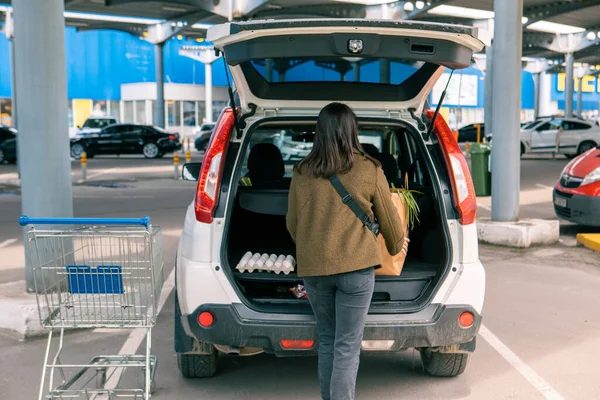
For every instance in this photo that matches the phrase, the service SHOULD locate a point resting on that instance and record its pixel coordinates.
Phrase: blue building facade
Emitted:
(99, 62)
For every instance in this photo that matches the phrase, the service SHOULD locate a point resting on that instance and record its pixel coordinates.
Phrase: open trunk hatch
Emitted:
(258, 206)
(389, 65)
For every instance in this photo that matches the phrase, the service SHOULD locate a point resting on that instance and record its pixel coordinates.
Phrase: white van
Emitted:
(436, 303)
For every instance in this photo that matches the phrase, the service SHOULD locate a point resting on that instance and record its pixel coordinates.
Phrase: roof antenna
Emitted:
(437, 109)
(232, 99)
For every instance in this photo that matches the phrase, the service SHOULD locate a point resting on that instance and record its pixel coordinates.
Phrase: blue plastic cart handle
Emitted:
(25, 220)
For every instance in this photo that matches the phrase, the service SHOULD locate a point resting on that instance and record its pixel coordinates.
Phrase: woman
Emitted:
(337, 254)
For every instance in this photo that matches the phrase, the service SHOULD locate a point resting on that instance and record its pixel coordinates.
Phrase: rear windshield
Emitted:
(390, 145)
(323, 69)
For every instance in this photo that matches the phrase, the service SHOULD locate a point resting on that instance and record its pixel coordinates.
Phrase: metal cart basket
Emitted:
(96, 273)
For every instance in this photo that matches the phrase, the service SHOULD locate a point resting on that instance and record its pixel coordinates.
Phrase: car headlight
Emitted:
(592, 177)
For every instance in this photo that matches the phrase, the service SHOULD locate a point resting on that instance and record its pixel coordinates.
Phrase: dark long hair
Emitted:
(336, 140)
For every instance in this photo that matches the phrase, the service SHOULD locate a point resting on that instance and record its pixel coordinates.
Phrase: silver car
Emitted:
(568, 136)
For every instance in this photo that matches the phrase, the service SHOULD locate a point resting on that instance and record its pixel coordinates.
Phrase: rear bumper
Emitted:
(584, 210)
(236, 325)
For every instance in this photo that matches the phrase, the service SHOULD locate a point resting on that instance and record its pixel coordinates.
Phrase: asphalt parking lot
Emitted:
(541, 337)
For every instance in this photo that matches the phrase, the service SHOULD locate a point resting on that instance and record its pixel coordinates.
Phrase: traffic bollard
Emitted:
(176, 165)
(189, 144)
(83, 166)
(468, 146)
(188, 156)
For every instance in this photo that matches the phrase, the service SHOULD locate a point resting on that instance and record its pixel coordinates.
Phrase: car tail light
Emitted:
(209, 181)
(206, 319)
(297, 344)
(466, 319)
(172, 137)
(462, 183)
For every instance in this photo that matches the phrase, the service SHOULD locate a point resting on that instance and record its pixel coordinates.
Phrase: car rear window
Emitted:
(323, 69)
(295, 142)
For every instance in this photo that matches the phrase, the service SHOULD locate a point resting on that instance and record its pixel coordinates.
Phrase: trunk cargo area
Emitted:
(257, 220)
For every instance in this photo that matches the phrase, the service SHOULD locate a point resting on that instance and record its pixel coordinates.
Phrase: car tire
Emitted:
(444, 364)
(77, 149)
(2, 157)
(197, 365)
(585, 146)
(522, 149)
(150, 150)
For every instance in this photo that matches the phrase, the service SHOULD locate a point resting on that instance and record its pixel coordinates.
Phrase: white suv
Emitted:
(435, 304)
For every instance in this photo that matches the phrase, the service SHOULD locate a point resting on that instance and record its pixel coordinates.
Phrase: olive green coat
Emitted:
(329, 238)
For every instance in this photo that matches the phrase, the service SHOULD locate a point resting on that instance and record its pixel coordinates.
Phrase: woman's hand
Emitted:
(405, 246)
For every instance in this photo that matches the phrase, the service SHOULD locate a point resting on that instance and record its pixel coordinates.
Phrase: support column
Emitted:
(506, 110)
(536, 94)
(384, 71)
(159, 111)
(356, 70)
(580, 97)
(208, 92)
(569, 84)
(488, 91)
(41, 90)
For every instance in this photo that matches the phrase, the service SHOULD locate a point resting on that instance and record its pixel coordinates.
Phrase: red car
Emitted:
(577, 193)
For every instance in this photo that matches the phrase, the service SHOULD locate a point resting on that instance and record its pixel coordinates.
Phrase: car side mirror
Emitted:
(191, 171)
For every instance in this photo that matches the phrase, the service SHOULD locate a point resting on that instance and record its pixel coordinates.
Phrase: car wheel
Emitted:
(150, 150)
(585, 146)
(444, 364)
(2, 157)
(77, 149)
(197, 365)
(522, 149)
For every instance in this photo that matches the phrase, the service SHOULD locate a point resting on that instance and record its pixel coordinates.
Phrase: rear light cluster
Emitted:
(173, 137)
(209, 181)
(462, 183)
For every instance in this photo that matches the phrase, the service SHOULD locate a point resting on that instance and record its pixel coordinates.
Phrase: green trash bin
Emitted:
(480, 168)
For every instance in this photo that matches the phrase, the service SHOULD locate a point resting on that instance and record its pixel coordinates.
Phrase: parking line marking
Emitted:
(7, 243)
(527, 372)
(106, 171)
(137, 336)
(543, 186)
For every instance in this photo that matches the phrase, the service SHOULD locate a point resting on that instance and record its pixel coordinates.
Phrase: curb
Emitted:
(522, 234)
(19, 311)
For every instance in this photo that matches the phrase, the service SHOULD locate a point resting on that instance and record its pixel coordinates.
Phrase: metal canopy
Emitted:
(581, 13)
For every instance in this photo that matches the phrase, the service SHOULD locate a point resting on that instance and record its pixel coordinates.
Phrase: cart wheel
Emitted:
(141, 381)
(100, 378)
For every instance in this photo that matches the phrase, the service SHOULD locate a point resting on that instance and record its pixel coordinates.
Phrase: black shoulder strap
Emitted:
(348, 200)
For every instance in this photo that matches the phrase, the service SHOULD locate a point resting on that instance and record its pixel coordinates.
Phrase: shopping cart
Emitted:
(96, 273)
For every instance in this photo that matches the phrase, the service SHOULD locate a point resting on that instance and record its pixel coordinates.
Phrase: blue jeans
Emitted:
(340, 304)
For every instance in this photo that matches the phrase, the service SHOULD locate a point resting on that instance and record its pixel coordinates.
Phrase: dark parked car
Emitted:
(151, 141)
(8, 144)
(468, 133)
(203, 136)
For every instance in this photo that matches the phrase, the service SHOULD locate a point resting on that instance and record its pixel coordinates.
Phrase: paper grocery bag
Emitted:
(392, 265)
